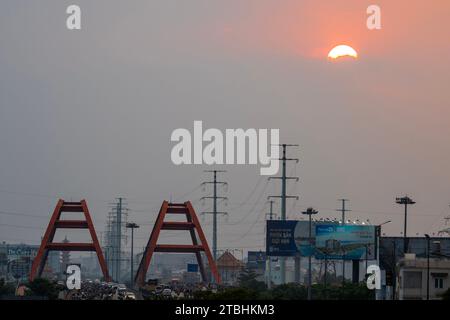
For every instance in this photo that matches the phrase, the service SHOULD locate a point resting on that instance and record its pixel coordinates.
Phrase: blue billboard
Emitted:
(350, 242)
(280, 238)
(328, 240)
(290, 237)
(192, 267)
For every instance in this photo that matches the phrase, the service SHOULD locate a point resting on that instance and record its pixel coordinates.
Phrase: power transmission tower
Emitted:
(329, 267)
(115, 236)
(283, 198)
(271, 215)
(343, 210)
(215, 197)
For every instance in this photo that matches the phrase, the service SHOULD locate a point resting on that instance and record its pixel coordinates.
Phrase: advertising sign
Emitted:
(350, 242)
(192, 267)
(290, 237)
(280, 238)
(18, 251)
(328, 240)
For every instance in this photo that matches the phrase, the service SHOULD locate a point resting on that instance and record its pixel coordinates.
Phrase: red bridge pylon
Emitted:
(192, 225)
(47, 243)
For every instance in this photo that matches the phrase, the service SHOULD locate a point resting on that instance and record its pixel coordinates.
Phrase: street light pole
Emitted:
(405, 201)
(367, 255)
(310, 212)
(428, 266)
(394, 273)
(132, 226)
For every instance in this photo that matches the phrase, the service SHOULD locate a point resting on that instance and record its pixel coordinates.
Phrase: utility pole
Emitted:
(428, 265)
(310, 212)
(367, 256)
(405, 201)
(214, 197)
(119, 237)
(132, 226)
(269, 275)
(343, 210)
(283, 198)
(394, 272)
(270, 213)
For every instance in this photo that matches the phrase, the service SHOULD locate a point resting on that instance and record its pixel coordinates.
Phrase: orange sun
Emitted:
(342, 51)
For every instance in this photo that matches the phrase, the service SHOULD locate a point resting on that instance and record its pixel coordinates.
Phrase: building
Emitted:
(191, 277)
(256, 261)
(229, 268)
(412, 277)
(273, 271)
(391, 252)
(65, 258)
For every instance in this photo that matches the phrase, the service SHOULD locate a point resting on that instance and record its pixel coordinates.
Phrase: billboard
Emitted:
(290, 237)
(328, 240)
(192, 267)
(280, 238)
(18, 251)
(352, 242)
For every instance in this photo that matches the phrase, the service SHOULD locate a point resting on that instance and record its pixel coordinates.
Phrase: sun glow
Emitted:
(342, 51)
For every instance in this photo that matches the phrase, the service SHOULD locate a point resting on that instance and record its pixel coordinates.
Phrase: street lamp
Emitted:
(405, 201)
(132, 226)
(310, 212)
(428, 265)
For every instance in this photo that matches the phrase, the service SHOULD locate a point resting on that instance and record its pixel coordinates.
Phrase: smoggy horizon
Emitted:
(89, 114)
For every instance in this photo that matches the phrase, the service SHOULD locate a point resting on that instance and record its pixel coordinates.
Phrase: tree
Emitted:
(6, 288)
(350, 291)
(44, 288)
(446, 295)
(247, 279)
(289, 291)
(228, 294)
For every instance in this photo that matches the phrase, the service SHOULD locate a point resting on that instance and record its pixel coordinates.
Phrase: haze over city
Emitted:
(89, 114)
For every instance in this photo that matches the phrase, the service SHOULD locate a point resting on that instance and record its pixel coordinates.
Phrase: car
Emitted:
(130, 296)
(167, 292)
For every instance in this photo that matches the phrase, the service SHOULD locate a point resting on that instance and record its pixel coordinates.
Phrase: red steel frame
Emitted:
(192, 224)
(47, 243)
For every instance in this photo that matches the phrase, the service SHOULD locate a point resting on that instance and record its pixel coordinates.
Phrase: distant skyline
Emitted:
(89, 114)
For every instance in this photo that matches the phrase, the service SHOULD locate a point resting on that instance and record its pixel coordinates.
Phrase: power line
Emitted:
(189, 192)
(245, 202)
(253, 208)
(247, 232)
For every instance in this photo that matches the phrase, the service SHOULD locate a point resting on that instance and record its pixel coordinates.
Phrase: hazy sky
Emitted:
(89, 114)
